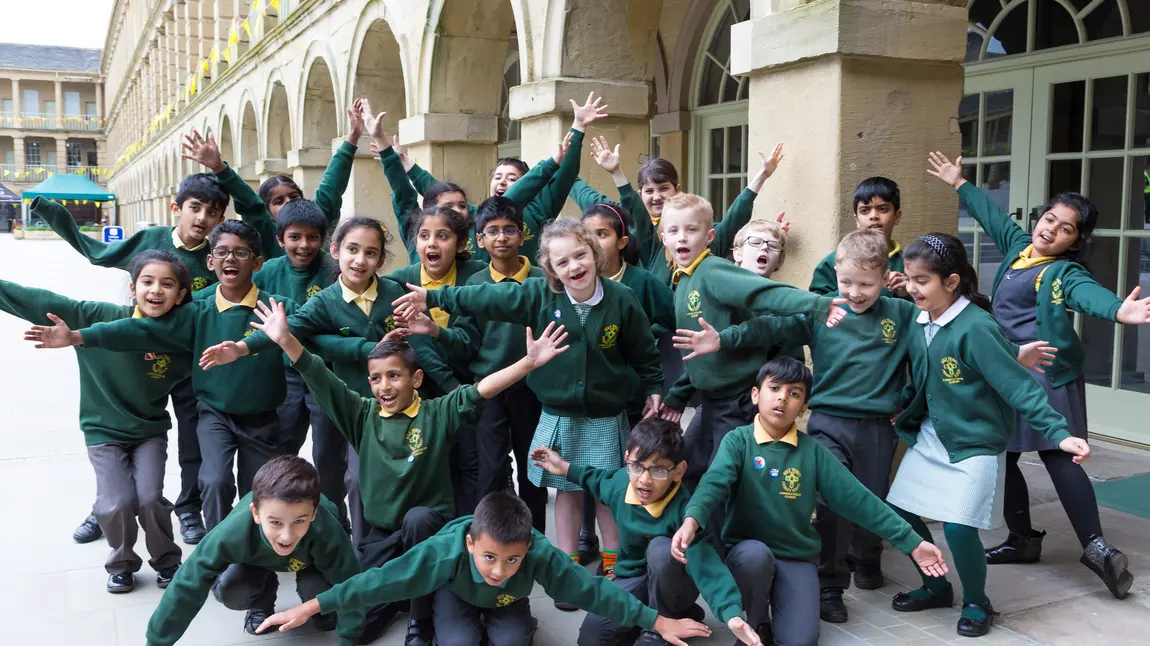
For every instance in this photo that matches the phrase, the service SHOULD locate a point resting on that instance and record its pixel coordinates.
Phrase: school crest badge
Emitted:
(312, 290)
(694, 304)
(889, 331)
(295, 565)
(504, 600)
(414, 439)
(1056, 291)
(199, 283)
(250, 332)
(610, 336)
(160, 364)
(389, 324)
(791, 483)
(528, 234)
(470, 246)
(950, 372)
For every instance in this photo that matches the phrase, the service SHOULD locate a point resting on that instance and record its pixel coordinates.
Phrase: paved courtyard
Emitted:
(52, 590)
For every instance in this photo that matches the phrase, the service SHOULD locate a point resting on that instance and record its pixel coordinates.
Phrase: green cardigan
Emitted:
(1064, 286)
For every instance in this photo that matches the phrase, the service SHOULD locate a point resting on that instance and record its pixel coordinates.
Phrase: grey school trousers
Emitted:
(130, 486)
(780, 592)
(458, 623)
(247, 440)
(328, 446)
(242, 587)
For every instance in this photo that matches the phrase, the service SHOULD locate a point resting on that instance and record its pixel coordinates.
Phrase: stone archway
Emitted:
(224, 140)
(319, 125)
(277, 124)
(249, 137)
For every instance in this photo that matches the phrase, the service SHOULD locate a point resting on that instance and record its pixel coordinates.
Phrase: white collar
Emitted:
(949, 315)
(595, 299)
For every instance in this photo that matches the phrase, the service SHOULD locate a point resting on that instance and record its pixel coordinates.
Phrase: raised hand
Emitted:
(783, 223)
(548, 460)
(401, 150)
(607, 158)
(549, 345)
(701, 342)
(929, 559)
(419, 323)
(58, 335)
(563, 146)
(1036, 355)
(1077, 447)
(204, 152)
(944, 169)
(767, 167)
(222, 354)
(744, 632)
(896, 283)
(355, 124)
(1134, 311)
(590, 111)
(411, 303)
(273, 319)
(674, 631)
(373, 124)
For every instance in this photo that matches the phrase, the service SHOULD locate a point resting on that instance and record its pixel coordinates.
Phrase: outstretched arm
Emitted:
(329, 194)
(743, 207)
(117, 254)
(1004, 231)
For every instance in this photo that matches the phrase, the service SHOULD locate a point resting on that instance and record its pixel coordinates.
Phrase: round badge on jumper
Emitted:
(774, 473)
(760, 462)
(410, 459)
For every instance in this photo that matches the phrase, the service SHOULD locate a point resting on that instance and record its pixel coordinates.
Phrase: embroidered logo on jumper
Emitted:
(1056, 292)
(250, 332)
(470, 246)
(295, 565)
(160, 363)
(414, 439)
(889, 332)
(694, 304)
(528, 234)
(760, 463)
(504, 600)
(389, 323)
(312, 290)
(199, 283)
(950, 372)
(791, 484)
(610, 335)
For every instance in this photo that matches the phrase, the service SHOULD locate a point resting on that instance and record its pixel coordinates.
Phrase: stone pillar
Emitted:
(59, 103)
(18, 153)
(871, 88)
(453, 147)
(61, 155)
(266, 168)
(100, 101)
(307, 166)
(367, 191)
(674, 132)
(17, 101)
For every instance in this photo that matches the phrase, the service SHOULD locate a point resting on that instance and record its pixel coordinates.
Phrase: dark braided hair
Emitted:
(944, 255)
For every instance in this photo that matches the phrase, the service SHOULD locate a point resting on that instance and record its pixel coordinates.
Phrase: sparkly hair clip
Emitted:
(937, 244)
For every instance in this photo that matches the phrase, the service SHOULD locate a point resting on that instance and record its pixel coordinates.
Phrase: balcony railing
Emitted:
(91, 172)
(44, 121)
(8, 172)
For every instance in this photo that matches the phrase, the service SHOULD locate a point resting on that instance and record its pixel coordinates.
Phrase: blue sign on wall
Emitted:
(113, 234)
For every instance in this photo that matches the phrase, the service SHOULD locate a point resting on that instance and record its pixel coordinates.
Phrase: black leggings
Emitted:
(1074, 491)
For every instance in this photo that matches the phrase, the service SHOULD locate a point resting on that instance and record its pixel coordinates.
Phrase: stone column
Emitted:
(870, 88)
(61, 154)
(367, 191)
(100, 100)
(453, 147)
(307, 166)
(266, 168)
(17, 101)
(59, 103)
(18, 154)
(674, 132)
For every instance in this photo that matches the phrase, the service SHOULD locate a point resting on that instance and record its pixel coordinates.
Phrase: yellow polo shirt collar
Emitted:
(250, 300)
(763, 437)
(656, 508)
(1027, 259)
(179, 243)
(137, 314)
(619, 276)
(519, 277)
(363, 301)
(896, 251)
(689, 269)
(427, 282)
(411, 411)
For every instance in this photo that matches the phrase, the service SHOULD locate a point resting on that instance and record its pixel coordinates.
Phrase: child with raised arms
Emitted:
(1035, 290)
(123, 396)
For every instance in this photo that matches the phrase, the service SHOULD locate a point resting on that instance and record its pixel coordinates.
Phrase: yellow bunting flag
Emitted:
(27, 201)
(215, 54)
(7, 173)
(274, 4)
(247, 27)
(204, 65)
(256, 8)
(99, 204)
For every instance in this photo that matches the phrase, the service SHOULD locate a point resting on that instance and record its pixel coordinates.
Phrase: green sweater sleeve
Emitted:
(1005, 232)
(766, 332)
(736, 287)
(418, 573)
(1084, 294)
(716, 483)
(251, 210)
(404, 196)
(508, 301)
(640, 349)
(714, 580)
(334, 347)
(658, 303)
(462, 339)
(329, 195)
(118, 254)
(420, 179)
(847, 497)
(549, 202)
(680, 393)
(33, 305)
(567, 581)
(173, 332)
(597, 482)
(337, 562)
(824, 280)
(585, 196)
(527, 188)
(346, 409)
(642, 228)
(734, 219)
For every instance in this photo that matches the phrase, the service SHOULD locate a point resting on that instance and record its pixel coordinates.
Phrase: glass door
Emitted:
(1093, 136)
(721, 163)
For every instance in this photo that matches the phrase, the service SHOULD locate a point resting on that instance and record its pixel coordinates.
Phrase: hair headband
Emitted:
(937, 244)
(617, 214)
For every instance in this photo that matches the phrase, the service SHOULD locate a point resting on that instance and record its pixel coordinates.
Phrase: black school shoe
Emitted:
(192, 528)
(868, 577)
(831, 606)
(588, 548)
(420, 632)
(1016, 549)
(121, 583)
(650, 638)
(164, 577)
(905, 602)
(1109, 564)
(976, 627)
(254, 618)
(88, 531)
(324, 623)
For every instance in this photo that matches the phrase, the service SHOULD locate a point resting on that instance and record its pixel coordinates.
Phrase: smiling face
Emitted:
(281, 195)
(502, 179)
(501, 237)
(654, 194)
(686, 233)
(779, 404)
(157, 289)
(231, 271)
(359, 253)
(196, 220)
(930, 291)
(284, 523)
(392, 382)
(760, 253)
(496, 561)
(437, 245)
(1056, 232)
(301, 244)
(453, 200)
(877, 214)
(859, 285)
(612, 245)
(573, 263)
(646, 487)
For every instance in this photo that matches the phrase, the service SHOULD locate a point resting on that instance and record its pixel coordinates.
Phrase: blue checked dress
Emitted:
(589, 441)
(968, 492)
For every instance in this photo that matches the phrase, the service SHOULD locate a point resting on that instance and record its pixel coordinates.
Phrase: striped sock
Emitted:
(609, 563)
(574, 556)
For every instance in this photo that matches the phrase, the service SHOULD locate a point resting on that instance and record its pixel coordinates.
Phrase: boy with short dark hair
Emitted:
(647, 499)
(486, 566)
(283, 525)
(238, 402)
(771, 470)
(199, 206)
(877, 205)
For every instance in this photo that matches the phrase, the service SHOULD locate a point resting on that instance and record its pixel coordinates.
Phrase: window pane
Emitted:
(965, 219)
(31, 102)
(1136, 338)
(72, 103)
(49, 107)
(1068, 103)
(717, 150)
(735, 156)
(1140, 198)
(6, 107)
(1108, 122)
(1097, 334)
(90, 108)
(1142, 106)
(988, 263)
(1054, 26)
(998, 119)
(1065, 175)
(968, 124)
(734, 187)
(1105, 190)
(715, 194)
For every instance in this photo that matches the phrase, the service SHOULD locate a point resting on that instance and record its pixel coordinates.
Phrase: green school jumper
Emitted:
(638, 524)
(123, 395)
(658, 302)
(279, 276)
(781, 480)
(541, 193)
(238, 539)
(254, 384)
(725, 294)
(120, 254)
(825, 279)
(585, 380)
(443, 560)
(328, 197)
(403, 458)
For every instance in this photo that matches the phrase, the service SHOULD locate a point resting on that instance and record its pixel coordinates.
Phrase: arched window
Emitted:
(719, 141)
(1007, 27)
(509, 135)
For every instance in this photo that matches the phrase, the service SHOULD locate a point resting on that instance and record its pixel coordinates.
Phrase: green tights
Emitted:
(969, 558)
